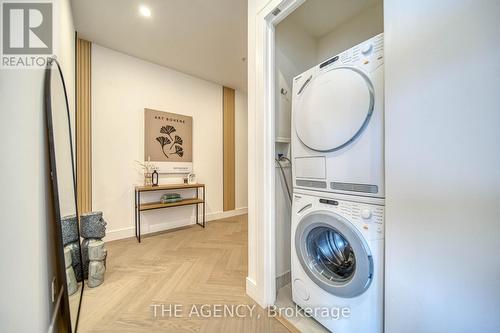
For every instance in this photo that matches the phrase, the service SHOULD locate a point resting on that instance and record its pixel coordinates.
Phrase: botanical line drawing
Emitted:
(175, 143)
(167, 130)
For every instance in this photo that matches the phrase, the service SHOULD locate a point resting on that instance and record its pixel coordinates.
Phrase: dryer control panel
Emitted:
(368, 55)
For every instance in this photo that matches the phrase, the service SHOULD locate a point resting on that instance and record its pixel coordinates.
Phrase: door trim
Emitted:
(261, 279)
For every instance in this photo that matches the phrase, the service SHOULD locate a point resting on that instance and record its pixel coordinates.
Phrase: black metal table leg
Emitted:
(203, 207)
(139, 214)
(135, 211)
(197, 197)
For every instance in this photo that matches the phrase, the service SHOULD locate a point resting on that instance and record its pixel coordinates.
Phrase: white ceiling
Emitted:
(203, 38)
(318, 17)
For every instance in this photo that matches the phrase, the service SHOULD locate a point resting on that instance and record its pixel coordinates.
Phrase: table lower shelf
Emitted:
(146, 206)
(158, 205)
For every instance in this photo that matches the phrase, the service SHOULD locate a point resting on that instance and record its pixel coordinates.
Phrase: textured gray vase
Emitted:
(71, 281)
(92, 225)
(67, 256)
(85, 258)
(76, 260)
(69, 228)
(93, 229)
(96, 273)
(96, 250)
(70, 272)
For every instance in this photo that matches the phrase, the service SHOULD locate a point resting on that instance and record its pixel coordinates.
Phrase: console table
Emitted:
(141, 207)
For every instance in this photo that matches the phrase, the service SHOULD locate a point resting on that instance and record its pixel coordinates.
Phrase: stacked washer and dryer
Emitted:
(337, 255)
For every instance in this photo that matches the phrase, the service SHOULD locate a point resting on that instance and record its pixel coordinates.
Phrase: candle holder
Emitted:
(154, 178)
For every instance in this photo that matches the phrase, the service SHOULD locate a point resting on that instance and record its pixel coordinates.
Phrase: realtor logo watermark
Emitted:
(27, 33)
(245, 311)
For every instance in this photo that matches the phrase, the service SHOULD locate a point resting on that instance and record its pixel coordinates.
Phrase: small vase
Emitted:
(148, 179)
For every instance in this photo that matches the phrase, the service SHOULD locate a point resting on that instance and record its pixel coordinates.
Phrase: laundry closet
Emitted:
(312, 34)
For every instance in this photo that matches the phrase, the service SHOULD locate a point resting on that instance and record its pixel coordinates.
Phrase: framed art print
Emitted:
(168, 141)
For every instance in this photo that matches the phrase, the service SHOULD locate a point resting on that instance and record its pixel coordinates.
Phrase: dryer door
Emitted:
(334, 254)
(335, 107)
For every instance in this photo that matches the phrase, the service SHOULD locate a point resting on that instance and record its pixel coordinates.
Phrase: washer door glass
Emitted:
(334, 254)
(334, 108)
(331, 255)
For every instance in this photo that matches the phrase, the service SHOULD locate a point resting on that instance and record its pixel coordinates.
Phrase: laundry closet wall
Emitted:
(296, 51)
(442, 166)
(122, 86)
(363, 26)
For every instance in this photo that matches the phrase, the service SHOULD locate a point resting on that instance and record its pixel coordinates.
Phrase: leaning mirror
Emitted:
(60, 125)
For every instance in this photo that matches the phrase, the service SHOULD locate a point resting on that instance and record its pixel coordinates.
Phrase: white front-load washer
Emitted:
(337, 260)
(338, 123)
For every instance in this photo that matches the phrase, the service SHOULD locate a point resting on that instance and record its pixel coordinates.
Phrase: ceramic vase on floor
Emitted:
(70, 272)
(97, 255)
(93, 229)
(71, 241)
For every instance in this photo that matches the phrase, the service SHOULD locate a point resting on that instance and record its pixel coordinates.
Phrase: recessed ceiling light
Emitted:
(145, 11)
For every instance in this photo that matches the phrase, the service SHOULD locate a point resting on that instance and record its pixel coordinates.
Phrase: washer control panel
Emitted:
(366, 213)
(368, 218)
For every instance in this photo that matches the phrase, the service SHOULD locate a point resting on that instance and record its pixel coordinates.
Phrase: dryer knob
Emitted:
(366, 214)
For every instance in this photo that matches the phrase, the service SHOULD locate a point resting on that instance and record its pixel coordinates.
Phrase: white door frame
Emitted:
(261, 280)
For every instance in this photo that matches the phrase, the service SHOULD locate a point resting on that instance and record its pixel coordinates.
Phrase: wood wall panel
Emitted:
(83, 125)
(228, 97)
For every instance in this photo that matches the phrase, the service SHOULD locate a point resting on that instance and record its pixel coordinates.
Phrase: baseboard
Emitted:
(128, 232)
(253, 292)
(226, 214)
(285, 322)
(56, 312)
(154, 228)
(283, 279)
(121, 233)
(251, 288)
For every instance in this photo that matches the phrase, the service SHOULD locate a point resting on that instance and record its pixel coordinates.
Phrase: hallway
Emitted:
(201, 270)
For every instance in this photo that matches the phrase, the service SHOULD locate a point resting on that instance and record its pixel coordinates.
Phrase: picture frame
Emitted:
(168, 141)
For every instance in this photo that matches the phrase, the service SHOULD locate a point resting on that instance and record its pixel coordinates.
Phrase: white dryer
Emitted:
(337, 260)
(338, 123)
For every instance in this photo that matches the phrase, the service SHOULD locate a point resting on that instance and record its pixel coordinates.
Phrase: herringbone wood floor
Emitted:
(188, 266)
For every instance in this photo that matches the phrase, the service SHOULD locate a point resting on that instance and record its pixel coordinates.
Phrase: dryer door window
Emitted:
(334, 254)
(334, 108)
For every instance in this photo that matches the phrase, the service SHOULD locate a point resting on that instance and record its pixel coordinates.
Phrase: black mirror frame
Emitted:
(55, 194)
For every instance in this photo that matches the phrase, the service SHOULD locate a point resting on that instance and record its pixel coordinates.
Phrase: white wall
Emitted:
(26, 248)
(368, 23)
(122, 86)
(442, 166)
(283, 220)
(295, 52)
